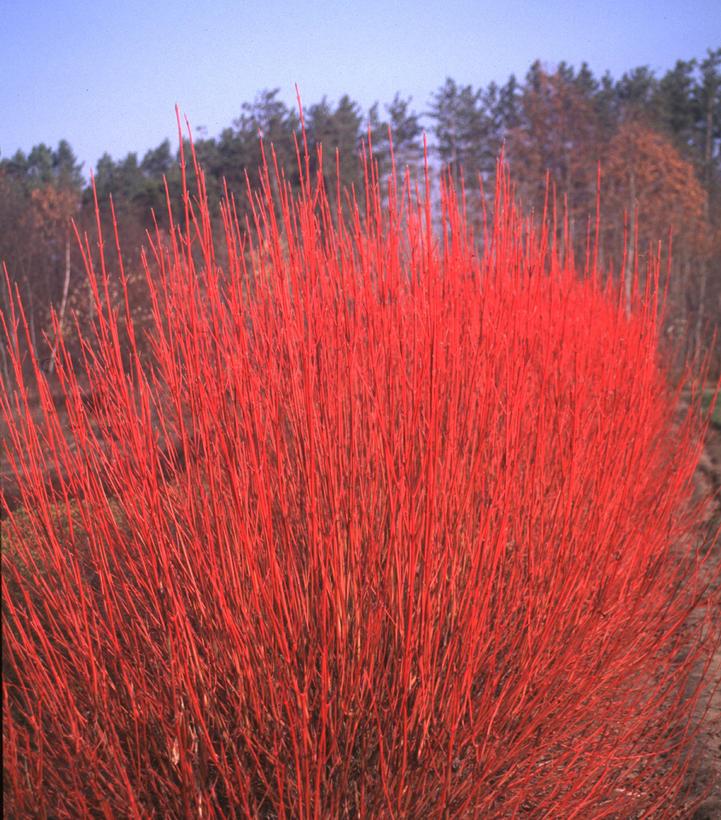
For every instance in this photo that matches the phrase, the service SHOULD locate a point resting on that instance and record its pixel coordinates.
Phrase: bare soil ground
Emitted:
(707, 778)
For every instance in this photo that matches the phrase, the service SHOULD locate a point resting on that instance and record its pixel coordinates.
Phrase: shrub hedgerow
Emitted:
(385, 525)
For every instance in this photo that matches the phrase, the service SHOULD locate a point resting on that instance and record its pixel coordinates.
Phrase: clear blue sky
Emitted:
(106, 74)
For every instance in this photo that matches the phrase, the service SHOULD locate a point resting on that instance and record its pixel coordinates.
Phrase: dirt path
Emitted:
(708, 776)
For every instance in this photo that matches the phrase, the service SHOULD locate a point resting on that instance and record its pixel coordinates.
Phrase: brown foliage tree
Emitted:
(649, 192)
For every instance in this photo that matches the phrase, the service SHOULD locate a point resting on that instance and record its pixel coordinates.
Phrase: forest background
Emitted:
(655, 136)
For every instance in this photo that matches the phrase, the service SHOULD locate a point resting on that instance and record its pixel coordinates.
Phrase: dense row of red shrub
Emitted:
(383, 528)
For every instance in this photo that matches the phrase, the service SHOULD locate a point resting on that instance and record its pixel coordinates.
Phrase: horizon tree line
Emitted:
(657, 139)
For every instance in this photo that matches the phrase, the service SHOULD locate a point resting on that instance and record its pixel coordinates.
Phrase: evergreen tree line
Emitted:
(657, 139)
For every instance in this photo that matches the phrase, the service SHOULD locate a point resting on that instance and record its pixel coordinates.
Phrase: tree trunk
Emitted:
(630, 243)
(703, 273)
(63, 305)
(700, 314)
(33, 332)
(7, 297)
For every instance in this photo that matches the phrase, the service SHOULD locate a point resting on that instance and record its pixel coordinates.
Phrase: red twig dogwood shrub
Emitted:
(384, 526)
